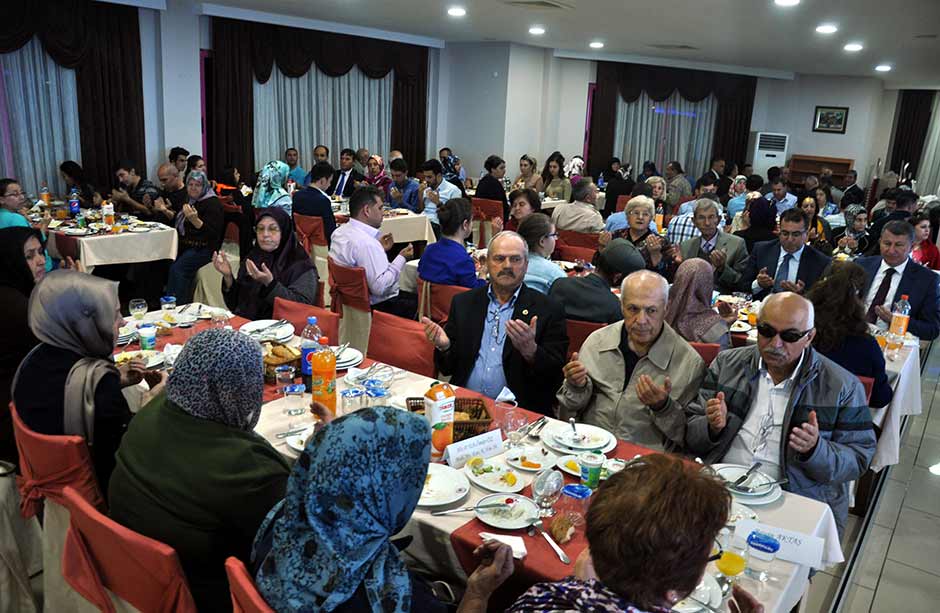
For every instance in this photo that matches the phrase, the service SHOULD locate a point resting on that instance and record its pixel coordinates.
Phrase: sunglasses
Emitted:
(787, 336)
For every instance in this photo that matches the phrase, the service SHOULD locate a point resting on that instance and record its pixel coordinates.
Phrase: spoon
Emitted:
(576, 437)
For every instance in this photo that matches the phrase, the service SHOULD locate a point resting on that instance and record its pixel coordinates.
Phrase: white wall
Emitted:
(524, 105)
(788, 107)
(182, 104)
(150, 59)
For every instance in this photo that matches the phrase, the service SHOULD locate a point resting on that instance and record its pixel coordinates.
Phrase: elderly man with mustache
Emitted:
(472, 347)
(781, 403)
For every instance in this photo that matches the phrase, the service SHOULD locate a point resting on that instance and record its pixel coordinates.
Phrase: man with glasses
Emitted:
(504, 334)
(581, 214)
(634, 378)
(787, 264)
(780, 403)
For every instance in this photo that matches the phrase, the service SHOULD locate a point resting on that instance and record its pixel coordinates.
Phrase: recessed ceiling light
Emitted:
(883, 67)
(597, 44)
(853, 47)
(935, 469)
(537, 30)
(456, 11)
(827, 28)
(786, 2)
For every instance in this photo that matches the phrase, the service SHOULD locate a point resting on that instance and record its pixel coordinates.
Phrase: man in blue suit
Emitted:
(893, 274)
(313, 201)
(787, 264)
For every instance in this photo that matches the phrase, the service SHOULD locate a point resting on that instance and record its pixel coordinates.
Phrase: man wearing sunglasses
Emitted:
(781, 403)
(787, 264)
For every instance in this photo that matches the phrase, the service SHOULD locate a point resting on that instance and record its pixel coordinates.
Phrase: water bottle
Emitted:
(75, 205)
(600, 182)
(309, 344)
(44, 194)
(900, 317)
(291, 186)
(323, 367)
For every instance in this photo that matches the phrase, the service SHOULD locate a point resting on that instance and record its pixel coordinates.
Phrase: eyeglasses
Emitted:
(639, 213)
(787, 336)
(552, 235)
(14, 195)
(268, 230)
(492, 316)
(717, 556)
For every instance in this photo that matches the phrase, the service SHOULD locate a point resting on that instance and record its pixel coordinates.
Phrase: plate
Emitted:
(492, 480)
(151, 357)
(516, 517)
(206, 312)
(740, 512)
(708, 591)
(729, 299)
(298, 441)
(549, 441)
(593, 437)
(731, 472)
(757, 501)
(139, 229)
(346, 360)
(283, 333)
(443, 485)
(740, 326)
(75, 231)
(536, 454)
(611, 466)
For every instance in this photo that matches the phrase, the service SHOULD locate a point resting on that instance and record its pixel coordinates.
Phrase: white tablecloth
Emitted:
(904, 377)
(124, 248)
(403, 228)
(408, 281)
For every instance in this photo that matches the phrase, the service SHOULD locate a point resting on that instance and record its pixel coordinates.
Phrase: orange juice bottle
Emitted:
(439, 404)
(323, 379)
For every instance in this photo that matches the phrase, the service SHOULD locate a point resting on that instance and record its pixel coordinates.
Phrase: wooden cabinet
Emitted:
(802, 166)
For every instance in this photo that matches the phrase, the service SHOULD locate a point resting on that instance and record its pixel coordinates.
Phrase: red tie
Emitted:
(880, 296)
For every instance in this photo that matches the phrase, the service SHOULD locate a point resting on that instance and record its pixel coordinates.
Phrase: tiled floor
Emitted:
(899, 566)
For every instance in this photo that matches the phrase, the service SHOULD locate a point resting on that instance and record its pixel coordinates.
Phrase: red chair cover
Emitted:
(570, 253)
(297, 313)
(348, 286)
(622, 203)
(578, 331)
(402, 343)
(708, 351)
(441, 297)
(101, 555)
(868, 383)
(309, 229)
(580, 239)
(49, 463)
(321, 297)
(245, 596)
(485, 210)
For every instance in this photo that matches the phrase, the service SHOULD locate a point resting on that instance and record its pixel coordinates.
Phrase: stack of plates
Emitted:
(562, 439)
(763, 492)
(281, 334)
(126, 334)
(349, 358)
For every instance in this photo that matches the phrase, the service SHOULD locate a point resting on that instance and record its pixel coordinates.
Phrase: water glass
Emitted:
(546, 489)
(284, 376)
(574, 502)
(219, 318)
(513, 420)
(168, 303)
(762, 548)
(294, 405)
(138, 308)
(351, 400)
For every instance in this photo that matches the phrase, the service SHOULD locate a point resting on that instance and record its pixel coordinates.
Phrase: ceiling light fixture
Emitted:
(853, 47)
(827, 28)
(935, 469)
(883, 67)
(456, 11)
(537, 30)
(597, 44)
(786, 3)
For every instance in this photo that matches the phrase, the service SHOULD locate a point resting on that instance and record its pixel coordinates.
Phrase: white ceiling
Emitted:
(751, 33)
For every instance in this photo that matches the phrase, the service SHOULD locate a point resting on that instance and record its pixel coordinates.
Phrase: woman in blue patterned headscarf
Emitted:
(272, 187)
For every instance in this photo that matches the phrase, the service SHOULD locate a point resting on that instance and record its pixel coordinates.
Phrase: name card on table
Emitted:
(484, 445)
(796, 547)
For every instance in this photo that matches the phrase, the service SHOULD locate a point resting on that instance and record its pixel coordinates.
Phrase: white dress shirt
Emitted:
(892, 289)
(791, 273)
(356, 244)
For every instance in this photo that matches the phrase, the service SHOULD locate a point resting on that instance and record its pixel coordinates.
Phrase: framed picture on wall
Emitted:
(831, 119)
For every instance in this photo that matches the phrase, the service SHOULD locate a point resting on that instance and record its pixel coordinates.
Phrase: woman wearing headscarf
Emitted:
(328, 547)
(22, 265)
(853, 237)
(192, 473)
(760, 217)
(574, 168)
(200, 228)
(271, 190)
(69, 384)
(738, 187)
(614, 171)
(376, 174)
(690, 311)
(277, 266)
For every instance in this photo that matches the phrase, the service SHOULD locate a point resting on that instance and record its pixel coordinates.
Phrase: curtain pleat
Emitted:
(911, 132)
(928, 175)
(231, 119)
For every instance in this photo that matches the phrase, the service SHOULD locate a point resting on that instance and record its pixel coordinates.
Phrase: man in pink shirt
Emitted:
(359, 242)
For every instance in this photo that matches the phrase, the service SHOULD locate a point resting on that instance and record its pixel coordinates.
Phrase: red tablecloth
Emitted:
(66, 245)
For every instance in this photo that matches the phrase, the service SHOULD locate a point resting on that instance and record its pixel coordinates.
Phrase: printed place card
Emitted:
(484, 445)
(796, 547)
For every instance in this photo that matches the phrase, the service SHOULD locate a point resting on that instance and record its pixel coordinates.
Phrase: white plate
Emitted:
(740, 326)
(139, 229)
(75, 231)
(729, 299)
(349, 358)
(282, 334)
(517, 517)
(758, 501)
(740, 512)
(593, 437)
(732, 472)
(151, 357)
(537, 454)
(548, 439)
(613, 466)
(491, 480)
(708, 591)
(444, 485)
(297, 441)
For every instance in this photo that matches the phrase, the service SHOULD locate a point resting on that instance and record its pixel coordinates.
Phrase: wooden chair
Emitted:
(707, 351)
(245, 595)
(580, 239)
(578, 331)
(402, 343)
(349, 297)
(484, 212)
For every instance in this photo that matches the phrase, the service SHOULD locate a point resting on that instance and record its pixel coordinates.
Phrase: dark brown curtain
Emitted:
(913, 120)
(241, 48)
(107, 72)
(735, 94)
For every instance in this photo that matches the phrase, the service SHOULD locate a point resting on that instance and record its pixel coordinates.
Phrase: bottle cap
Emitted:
(576, 491)
(311, 321)
(324, 340)
(903, 296)
(762, 541)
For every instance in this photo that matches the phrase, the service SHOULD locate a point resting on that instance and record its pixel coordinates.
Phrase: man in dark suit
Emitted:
(717, 172)
(313, 200)
(853, 194)
(787, 264)
(906, 277)
(504, 334)
(345, 179)
(904, 204)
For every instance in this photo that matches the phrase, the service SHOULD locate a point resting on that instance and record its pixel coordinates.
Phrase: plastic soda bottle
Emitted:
(75, 205)
(900, 316)
(107, 213)
(323, 365)
(309, 344)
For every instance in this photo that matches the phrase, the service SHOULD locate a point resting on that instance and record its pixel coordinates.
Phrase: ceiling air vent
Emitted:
(539, 4)
(772, 142)
(673, 47)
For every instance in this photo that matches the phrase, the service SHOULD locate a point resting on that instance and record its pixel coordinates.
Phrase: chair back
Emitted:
(101, 555)
(435, 299)
(348, 287)
(50, 463)
(622, 202)
(310, 232)
(297, 313)
(570, 253)
(484, 212)
(868, 383)
(245, 596)
(578, 331)
(402, 343)
(580, 239)
(707, 351)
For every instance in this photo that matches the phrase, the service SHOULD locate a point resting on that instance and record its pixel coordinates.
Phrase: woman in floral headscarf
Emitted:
(376, 175)
(690, 310)
(272, 187)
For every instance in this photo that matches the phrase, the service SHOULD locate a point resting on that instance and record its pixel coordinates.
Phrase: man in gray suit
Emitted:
(726, 252)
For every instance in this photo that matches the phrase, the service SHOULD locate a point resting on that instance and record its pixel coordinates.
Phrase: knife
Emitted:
(743, 478)
(466, 509)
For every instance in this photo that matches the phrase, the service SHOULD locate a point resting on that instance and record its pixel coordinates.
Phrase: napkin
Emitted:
(506, 395)
(516, 542)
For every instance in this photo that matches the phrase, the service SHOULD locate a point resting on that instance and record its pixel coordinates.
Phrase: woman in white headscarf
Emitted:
(69, 384)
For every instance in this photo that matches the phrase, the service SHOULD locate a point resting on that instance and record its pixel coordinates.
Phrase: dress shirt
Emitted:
(788, 202)
(681, 228)
(708, 245)
(487, 376)
(737, 205)
(298, 174)
(771, 399)
(578, 217)
(409, 195)
(357, 244)
(791, 273)
(876, 283)
(542, 272)
(446, 262)
(618, 221)
(446, 190)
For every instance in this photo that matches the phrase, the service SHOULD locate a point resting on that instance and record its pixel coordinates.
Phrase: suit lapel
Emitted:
(476, 320)
(522, 311)
(772, 264)
(906, 282)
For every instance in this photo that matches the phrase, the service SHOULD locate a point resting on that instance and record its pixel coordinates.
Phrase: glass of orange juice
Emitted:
(752, 317)
(882, 338)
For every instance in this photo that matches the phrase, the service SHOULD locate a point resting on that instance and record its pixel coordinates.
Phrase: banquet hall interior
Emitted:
(470, 305)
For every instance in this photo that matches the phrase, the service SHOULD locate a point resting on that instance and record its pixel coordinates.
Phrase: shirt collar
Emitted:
(899, 268)
(793, 375)
(320, 190)
(364, 227)
(794, 256)
(512, 301)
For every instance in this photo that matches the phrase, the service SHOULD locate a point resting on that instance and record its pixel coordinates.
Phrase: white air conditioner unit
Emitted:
(767, 149)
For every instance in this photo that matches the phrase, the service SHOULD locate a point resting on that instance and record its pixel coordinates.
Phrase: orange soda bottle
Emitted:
(323, 375)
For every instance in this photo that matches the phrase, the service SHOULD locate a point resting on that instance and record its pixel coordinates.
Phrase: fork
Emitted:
(266, 329)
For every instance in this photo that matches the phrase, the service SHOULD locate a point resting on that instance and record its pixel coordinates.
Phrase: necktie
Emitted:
(880, 295)
(340, 184)
(783, 273)
(707, 248)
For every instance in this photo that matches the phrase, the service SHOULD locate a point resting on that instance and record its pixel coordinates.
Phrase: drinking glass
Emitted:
(138, 308)
(219, 318)
(294, 405)
(546, 489)
(510, 424)
(733, 561)
(284, 376)
(168, 303)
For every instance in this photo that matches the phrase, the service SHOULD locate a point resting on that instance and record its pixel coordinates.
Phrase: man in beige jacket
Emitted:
(634, 378)
(581, 215)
